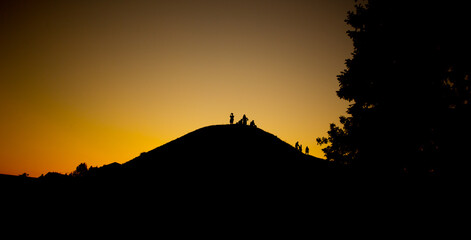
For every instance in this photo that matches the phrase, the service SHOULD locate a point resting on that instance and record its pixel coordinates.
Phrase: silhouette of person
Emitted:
(307, 150)
(252, 124)
(296, 145)
(301, 147)
(232, 118)
(244, 120)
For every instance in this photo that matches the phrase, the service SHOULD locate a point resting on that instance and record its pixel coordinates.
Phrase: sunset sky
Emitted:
(82, 81)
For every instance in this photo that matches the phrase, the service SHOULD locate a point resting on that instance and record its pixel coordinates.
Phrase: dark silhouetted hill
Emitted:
(219, 156)
(11, 180)
(225, 152)
(215, 156)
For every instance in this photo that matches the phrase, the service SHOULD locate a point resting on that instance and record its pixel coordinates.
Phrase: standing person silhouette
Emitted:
(297, 145)
(244, 120)
(232, 118)
(307, 150)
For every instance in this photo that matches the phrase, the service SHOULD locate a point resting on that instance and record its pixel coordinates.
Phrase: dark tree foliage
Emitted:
(409, 85)
(80, 171)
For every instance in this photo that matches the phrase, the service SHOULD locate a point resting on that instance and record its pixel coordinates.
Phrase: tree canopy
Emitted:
(409, 85)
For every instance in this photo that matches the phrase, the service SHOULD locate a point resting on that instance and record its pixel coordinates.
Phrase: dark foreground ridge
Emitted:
(215, 156)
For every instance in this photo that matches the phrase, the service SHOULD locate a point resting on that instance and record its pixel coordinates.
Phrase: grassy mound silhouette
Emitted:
(225, 151)
(212, 156)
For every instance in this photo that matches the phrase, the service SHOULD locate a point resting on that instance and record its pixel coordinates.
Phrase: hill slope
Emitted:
(225, 152)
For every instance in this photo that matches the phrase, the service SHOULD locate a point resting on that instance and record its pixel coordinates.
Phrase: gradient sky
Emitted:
(82, 81)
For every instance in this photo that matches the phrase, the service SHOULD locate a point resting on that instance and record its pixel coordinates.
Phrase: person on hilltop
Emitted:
(307, 150)
(296, 145)
(244, 120)
(252, 124)
(232, 118)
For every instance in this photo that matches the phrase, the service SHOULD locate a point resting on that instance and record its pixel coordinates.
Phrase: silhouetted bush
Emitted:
(80, 171)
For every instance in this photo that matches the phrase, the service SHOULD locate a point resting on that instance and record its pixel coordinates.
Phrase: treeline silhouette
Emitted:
(83, 175)
(409, 85)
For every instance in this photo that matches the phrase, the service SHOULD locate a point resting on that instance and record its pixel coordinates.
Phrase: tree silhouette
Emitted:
(409, 85)
(81, 170)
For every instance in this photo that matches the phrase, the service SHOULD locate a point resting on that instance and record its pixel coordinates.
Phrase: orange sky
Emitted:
(91, 82)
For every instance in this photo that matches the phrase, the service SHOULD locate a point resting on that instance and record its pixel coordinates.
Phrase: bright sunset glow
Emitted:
(91, 82)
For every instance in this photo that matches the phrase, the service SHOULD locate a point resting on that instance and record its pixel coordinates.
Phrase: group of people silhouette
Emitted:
(300, 147)
(242, 121)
